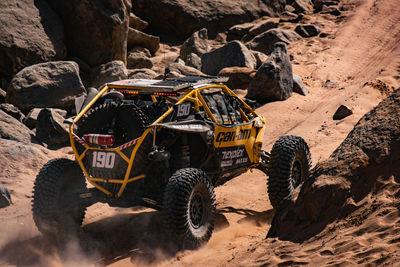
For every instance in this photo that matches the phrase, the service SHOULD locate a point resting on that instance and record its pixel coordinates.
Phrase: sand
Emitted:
(360, 58)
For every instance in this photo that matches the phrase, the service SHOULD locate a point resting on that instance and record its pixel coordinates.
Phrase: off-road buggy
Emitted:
(163, 144)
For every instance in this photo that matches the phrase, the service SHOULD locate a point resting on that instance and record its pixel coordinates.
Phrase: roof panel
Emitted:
(168, 85)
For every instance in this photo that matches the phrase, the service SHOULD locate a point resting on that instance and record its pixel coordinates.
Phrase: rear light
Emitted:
(99, 139)
(135, 92)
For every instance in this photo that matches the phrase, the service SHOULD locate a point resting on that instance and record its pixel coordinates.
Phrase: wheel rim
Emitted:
(296, 173)
(196, 210)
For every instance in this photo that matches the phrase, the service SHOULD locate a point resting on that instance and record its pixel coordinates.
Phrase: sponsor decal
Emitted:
(232, 154)
(230, 136)
(233, 157)
(226, 163)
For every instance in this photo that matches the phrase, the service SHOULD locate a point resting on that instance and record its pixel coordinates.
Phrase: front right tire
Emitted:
(290, 165)
(189, 208)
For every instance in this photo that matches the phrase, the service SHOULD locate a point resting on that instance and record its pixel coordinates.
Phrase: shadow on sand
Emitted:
(139, 236)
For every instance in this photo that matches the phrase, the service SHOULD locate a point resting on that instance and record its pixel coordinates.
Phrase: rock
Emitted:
(263, 26)
(238, 31)
(95, 31)
(137, 23)
(289, 8)
(20, 19)
(233, 54)
(296, 19)
(265, 42)
(193, 60)
(50, 128)
(274, 79)
(318, 4)
(196, 43)
(142, 74)
(330, 84)
(364, 165)
(5, 197)
(181, 17)
(259, 28)
(12, 111)
(51, 84)
(181, 70)
(331, 10)
(12, 129)
(260, 58)
(2, 96)
(109, 72)
(307, 30)
(302, 6)
(342, 112)
(138, 58)
(239, 77)
(138, 38)
(299, 87)
(31, 118)
(84, 70)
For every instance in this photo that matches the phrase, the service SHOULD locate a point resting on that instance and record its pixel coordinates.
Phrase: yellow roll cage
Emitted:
(193, 95)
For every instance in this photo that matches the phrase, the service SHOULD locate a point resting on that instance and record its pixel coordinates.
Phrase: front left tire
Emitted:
(189, 208)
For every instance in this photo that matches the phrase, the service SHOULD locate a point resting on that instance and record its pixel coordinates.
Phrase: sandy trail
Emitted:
(362, 46)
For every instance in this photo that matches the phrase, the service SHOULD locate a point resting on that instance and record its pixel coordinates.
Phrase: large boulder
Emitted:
(274, 79)
(51, 84)
(301, 6)
(262, 26)
(50, 128)
(137, 23)
(193, 60)
(12, 111)
(31, 118)
(319, 4)
(138, 38)
(177, 69)
(138, 58)
(264, 42)
(30, 33)
(233, 54)
(181, 17)
(196, 43)
(109, 72)
(236, 32)
(307, 30)
(96, 31)
(142, 74)
(365, 165)
(12, 129)
(239, 77)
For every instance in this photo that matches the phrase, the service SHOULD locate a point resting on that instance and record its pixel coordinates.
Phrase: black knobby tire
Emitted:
(127, 122)
(58, 184)
(290, 164)
(189, 208)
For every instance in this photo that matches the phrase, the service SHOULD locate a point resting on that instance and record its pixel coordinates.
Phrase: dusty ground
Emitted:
(360, 58)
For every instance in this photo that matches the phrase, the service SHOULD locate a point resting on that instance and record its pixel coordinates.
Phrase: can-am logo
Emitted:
(232, 154)
(233, 135)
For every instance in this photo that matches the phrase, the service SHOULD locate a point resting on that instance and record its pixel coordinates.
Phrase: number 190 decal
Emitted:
(103, 159)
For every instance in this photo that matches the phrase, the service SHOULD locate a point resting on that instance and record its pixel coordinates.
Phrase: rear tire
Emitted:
(59, 182)
(189, 208)
(289, 166)
(127, 122)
